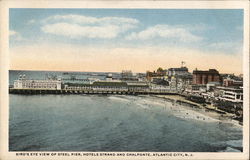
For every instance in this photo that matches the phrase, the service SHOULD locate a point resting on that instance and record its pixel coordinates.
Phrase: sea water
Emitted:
(115, 123)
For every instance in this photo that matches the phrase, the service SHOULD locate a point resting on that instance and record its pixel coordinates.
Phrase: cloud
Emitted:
(15, 35)
(77, 31)
(228, 47)
(197, 27)
(79, 26)
(80, 19)
(32, 21)
(165, 31)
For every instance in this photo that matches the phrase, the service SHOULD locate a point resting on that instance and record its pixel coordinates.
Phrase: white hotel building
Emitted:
(231, 94)
(23, 83)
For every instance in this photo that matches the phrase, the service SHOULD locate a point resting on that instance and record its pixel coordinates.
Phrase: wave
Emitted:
(176, 110)
(180, 111)
(230, 145)
(119, 98)
(235, 143)
(150, 102)
(144, 106)
(229, 149)
(190, 114)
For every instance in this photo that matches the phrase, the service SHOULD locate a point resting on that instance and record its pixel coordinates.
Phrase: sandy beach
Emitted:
(196, 110)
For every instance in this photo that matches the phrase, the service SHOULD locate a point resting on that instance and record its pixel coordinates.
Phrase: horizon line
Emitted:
(102, 71)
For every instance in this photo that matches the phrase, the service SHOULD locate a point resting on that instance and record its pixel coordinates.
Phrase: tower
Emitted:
(183, 64)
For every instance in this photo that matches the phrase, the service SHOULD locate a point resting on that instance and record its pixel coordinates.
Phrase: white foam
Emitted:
(229, 149)
(235, 143)
(186, 112)
(116, 98)
(181, 111)
(144, 106)
(150, 102)
(190, 114)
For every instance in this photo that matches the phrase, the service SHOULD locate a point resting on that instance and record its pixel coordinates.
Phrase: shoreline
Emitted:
(208, 110)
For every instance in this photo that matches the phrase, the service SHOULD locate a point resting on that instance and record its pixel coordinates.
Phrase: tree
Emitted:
(159, 69)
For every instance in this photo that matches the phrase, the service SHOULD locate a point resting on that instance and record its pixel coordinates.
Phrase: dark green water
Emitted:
(114, 123)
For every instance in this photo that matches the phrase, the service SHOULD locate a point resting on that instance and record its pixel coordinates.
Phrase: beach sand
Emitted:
(198, 111)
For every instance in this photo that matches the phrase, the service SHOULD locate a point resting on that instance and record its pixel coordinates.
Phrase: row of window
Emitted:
(40, 87)
(44, 85)
(233, 97)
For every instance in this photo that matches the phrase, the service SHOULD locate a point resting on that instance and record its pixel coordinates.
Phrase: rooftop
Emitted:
(179, 69)
(210, 71)
(120, 84)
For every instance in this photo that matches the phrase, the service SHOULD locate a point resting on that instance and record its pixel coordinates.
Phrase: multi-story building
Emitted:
(152, 75)
(126, 74)
(23, 83)
(195, 89)
(204, 77)
(177, 71)
(227, 82)
(232, 94)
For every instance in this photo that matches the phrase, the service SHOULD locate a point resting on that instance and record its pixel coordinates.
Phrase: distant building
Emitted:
(152, 75)
(227, 82)
(241, 76)
(23, 83)
(196, 89)
(127, 75)
(184, 80)
(109, 77)
(211, 85)
(237, 83)
(204, 77)
(160, 81)
(177, 71)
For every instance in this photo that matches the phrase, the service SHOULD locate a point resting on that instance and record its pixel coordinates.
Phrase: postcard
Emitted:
(124, 80)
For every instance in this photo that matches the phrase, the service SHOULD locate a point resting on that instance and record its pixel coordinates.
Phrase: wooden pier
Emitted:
(88, 91)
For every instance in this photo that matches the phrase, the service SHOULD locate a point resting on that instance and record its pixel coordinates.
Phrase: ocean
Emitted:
(114, 123)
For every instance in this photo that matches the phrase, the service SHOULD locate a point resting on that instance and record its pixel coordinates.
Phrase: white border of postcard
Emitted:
(4, 59)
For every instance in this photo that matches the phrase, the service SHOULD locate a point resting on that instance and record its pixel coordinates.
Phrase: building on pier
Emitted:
(24, 83)
(118, 86)
(137, 86)
(109, 86)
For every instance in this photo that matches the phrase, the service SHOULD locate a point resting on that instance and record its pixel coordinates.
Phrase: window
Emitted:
(238, 97)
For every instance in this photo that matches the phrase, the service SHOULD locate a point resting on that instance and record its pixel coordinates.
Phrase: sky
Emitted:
(112, 40)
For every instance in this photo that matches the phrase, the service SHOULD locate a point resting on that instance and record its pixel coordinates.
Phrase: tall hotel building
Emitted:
(204, 77)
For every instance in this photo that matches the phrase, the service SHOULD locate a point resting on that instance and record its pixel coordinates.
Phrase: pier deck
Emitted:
(88, 91)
